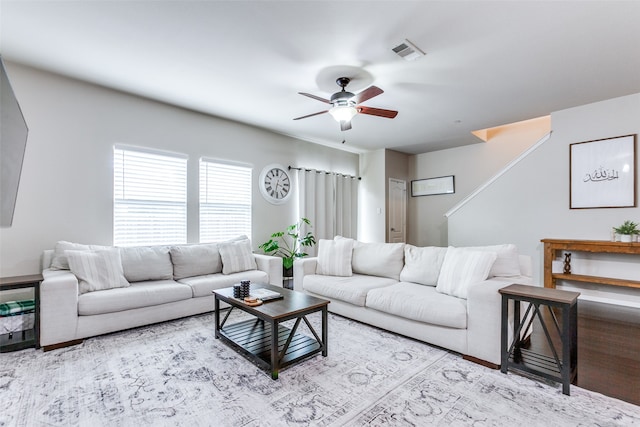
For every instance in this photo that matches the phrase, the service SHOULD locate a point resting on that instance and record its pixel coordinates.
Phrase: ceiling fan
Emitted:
(345, 105)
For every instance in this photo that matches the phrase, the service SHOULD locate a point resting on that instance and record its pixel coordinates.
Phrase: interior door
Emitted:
(397, 211)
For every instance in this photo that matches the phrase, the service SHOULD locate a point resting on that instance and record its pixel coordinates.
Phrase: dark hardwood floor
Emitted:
(608, 349)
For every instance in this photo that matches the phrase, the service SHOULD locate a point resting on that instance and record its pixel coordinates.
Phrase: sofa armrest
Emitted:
(301, 268)
(272, 265)
(47, 257)
(484, 317)
(58, 307)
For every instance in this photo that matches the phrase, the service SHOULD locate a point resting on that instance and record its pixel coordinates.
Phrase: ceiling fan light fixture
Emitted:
(345, 105)
(343, 113)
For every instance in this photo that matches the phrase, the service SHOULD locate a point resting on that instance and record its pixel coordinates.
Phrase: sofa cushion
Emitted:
(236, 256)
(202, 286)
(97, 270)
(422, 265)
(507, 262)
(461, 268)
(351, 289)
(195, 260)
(421, 303)
(60, 261)
(142, 263)
(334, 257)
(378, 259)
(138, 295)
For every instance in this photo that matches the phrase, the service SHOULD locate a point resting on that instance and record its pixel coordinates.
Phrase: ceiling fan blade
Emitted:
(344, 125)
(311, 115)
(315, 97)
(368, 93)
(389, 114)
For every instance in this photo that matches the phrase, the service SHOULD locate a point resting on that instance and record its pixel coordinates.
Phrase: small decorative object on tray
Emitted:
(265, 294)
(252, 301)
(245, 287)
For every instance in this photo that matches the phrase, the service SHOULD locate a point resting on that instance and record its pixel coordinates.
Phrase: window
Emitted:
(150, 197)
(225, 201)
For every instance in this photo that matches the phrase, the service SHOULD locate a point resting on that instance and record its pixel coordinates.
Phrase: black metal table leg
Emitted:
(504, 337)
(216, 306)
(325, 332)
(275, 362)
(517, 337)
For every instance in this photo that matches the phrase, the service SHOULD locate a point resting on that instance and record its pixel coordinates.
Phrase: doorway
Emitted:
(397, 232)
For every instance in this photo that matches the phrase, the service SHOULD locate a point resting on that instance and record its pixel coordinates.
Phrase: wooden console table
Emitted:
(551, 246)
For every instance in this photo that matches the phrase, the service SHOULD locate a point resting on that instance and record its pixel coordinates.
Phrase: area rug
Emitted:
(177, 374)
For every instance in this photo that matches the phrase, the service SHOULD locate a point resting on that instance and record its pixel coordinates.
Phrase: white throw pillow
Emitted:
(507, 263)
(422, 264)
(461, 268)
(60, 262)
(378, 259)
(141, 263)
(236, 256)
(195, 260)
(97, 270)
(334, 257)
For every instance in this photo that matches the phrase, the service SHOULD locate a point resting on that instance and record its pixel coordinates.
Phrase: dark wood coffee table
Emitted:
(254, 339)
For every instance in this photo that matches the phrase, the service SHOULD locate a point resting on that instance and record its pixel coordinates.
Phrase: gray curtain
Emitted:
(330, 202)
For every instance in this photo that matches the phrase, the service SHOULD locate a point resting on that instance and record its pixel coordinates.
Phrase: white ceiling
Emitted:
(488, 63)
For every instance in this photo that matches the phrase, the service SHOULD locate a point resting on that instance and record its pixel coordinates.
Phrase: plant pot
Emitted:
(287, 272)
(626, 238)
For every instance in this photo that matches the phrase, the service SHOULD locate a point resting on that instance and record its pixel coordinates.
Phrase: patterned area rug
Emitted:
(177, 374)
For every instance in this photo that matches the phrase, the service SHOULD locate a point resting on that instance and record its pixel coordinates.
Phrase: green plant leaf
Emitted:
(627, 227)
(287, 262)
(288, 243)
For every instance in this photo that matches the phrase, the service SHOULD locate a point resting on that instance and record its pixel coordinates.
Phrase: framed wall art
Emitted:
(603, 173)
(433, 186)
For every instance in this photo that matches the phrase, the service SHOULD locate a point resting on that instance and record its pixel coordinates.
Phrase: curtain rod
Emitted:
(326, 172)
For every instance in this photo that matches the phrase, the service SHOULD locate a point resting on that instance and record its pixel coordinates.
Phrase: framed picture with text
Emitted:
(602, 173)
(433, 186)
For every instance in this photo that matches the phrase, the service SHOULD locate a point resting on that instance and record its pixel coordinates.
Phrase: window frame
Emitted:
(159, 231)
(205, 234)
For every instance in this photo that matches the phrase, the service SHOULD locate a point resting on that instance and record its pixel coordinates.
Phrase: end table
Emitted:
(563, 367)
(27, 338)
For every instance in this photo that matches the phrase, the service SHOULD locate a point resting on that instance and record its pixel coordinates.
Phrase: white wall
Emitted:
(471, 166)
(66, 187)
(531, 201)
(372, 197)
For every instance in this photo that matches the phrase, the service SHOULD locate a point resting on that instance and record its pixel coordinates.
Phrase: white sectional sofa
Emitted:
(93, 290)
(444, 296)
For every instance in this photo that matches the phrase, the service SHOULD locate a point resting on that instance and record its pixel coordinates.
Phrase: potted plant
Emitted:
(627, 230)
(289, 244)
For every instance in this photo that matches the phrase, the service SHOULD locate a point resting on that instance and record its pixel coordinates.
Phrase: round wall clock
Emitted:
(275, 184)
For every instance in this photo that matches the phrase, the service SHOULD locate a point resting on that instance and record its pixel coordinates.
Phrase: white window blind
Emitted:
(225, 201)
(150, 197)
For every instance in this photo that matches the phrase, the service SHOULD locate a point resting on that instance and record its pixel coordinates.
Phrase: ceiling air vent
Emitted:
(408, 51)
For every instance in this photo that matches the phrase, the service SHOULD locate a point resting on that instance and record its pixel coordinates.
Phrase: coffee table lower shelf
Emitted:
(252, 338)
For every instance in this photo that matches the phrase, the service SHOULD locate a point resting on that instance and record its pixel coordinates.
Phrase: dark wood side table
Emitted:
(28, 338)
(563, 367)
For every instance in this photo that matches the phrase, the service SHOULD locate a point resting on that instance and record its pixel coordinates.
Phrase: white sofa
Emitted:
(444, 296)
(93, 290)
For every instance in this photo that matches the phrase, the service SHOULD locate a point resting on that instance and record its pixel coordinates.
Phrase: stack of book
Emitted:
(265, 294)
